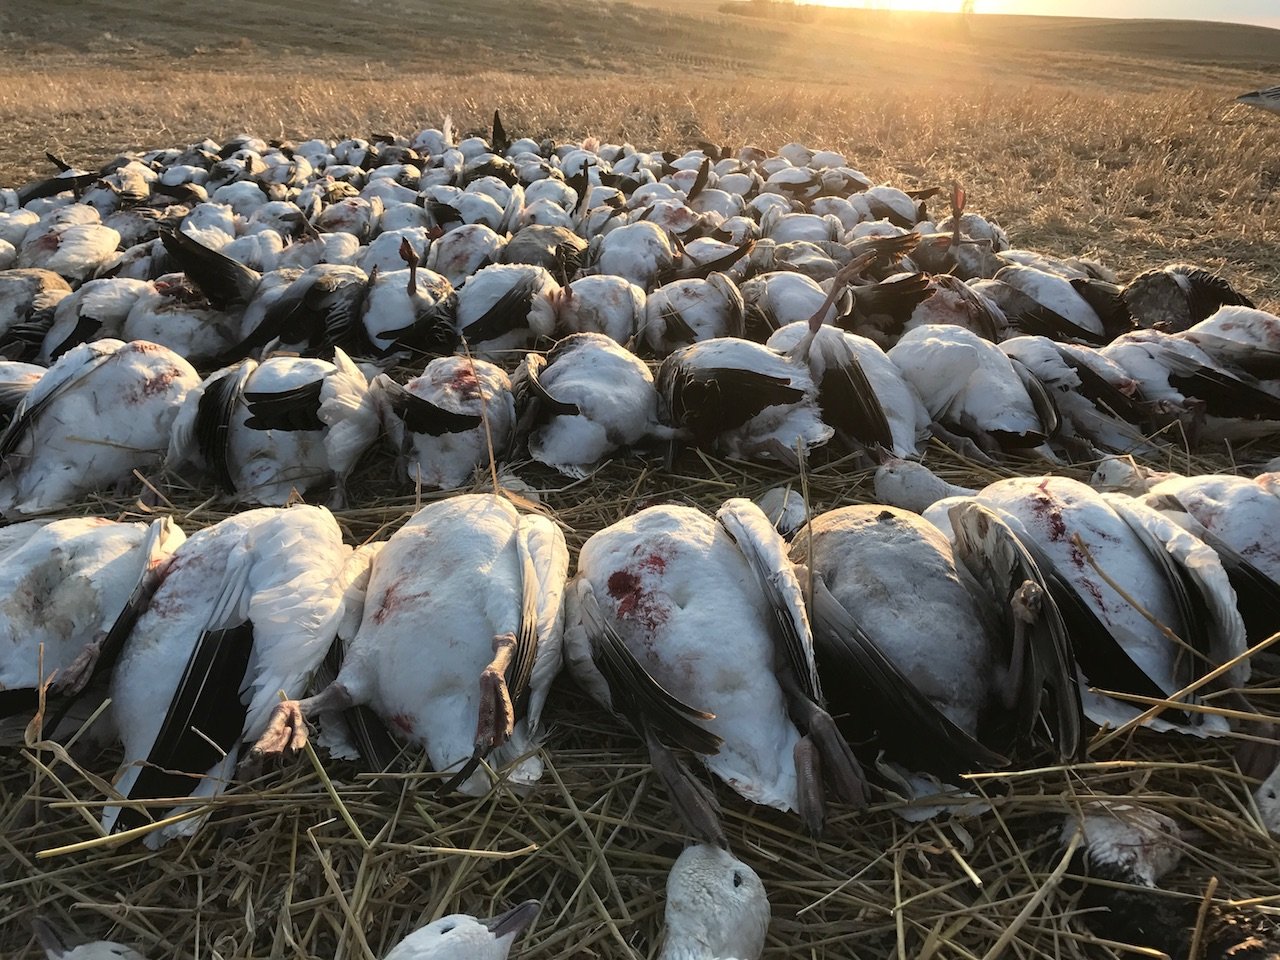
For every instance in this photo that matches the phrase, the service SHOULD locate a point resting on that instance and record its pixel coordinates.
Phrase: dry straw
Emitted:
(321, 859)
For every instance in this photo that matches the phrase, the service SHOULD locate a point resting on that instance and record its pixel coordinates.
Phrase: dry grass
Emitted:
(325, 861)
(1083, 139)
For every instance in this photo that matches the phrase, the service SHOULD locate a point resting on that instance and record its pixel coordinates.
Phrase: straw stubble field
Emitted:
(1080, 138)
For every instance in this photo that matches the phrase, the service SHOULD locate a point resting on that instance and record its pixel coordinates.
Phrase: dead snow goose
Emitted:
(1178, 580)
(689, 311)
(265, 431)
(464, 251)
(409, 307)
(970, 662)
(489, 665)
(76, 588)
(638, 252)
(586, 399)
(649, 591)
(446, 422)
(1092, 408)
(613, 306)
(173, 312)
(246, 608)
(463, 937)
(130, 394)
(28, 304)
(1219, 402)
(743, 399)
(968, 385)
(1241, 338)
(854, 377)
(55, 946)
(73, 251)
(97, 309)
(504, 307)
(717, 908)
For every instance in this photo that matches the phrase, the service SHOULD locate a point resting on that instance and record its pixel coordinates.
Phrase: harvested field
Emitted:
(1080, 137)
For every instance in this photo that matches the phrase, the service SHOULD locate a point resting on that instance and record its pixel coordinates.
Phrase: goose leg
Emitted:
(287, 728)
(77, 673)
(694, 802)
(961, 445)
(1026, 602)
(810, 804)
(841, 765)
(496, 715)
(778, 450)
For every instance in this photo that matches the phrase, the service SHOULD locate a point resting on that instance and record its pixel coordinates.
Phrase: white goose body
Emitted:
(477, 571)
(638, 252)
(613, 306)
(28, 305)
(596, 397)
(1244, 513)
(935, 632)
(460, 936)
(439, 429)
(74, 251)
(775, 300)
(54, 945)
(664, 580)
(263, 589)
(1053, 510)
(174, 313)
(1174, 370)
(505, 307)
(905, 413)
(690, 311)
(1091, 409)
(97, 310)
(464, 251)
(1054, 292)
(265, 431)
(68, 582)
(129, 392)
(743, 398)
(396, 298)
(1240, 337)
(967, 382)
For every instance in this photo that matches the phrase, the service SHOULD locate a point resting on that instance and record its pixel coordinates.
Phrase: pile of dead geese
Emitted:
(248, 317)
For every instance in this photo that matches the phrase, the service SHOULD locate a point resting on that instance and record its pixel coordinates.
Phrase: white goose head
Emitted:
(54, 948)
(462, 937)
(716, 908)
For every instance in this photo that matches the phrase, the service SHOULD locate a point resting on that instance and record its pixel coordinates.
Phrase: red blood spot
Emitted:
(464, 382)
(50, 241)
(160, 383)
(153, 386)
(655, 562)
(404, 723)
(145, 346)
(634, 602)
(1057, 526)
(393, 600)
(1094, 590)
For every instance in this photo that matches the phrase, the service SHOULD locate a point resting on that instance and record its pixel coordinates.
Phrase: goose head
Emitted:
(913, 486)
(462, 937)
(716, 908)
(55, 949)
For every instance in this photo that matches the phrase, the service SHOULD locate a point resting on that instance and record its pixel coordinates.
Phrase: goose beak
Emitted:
(515, 921)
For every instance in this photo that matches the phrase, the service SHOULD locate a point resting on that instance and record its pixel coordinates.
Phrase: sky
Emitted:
(1263, 12)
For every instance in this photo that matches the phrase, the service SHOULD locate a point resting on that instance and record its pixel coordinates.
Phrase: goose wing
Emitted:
(633, 693)
(421, 415)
